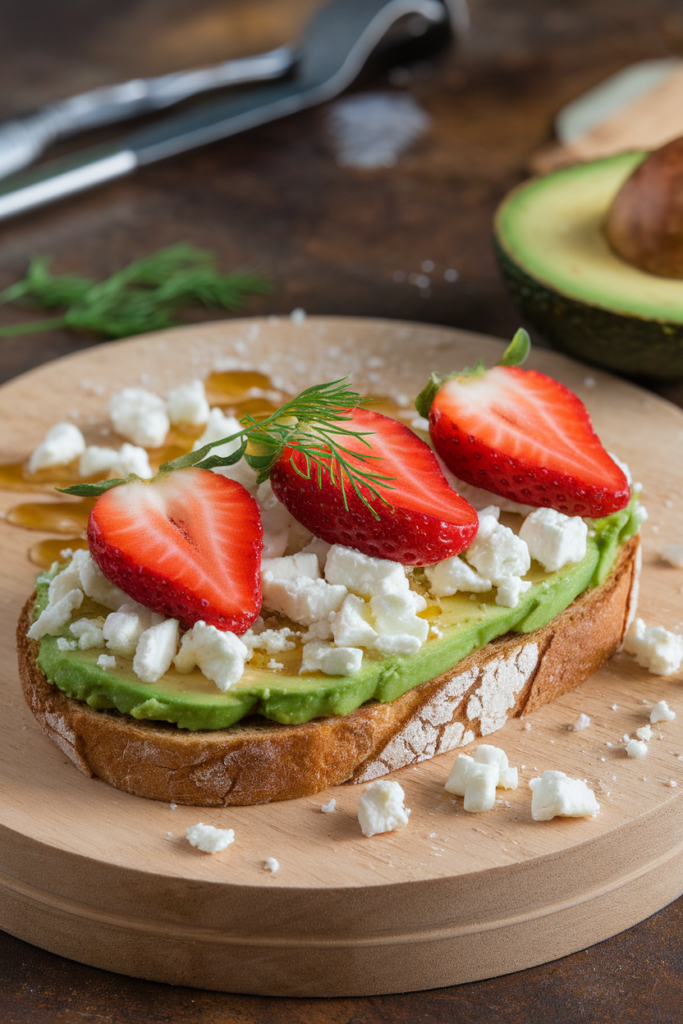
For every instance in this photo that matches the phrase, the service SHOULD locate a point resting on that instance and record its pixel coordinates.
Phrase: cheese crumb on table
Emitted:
(381, 808)
(654, 648)
(477, 778)
(581, 723)
(140, 416)
(208, 838)
(329, 807)
(556, 795)
(62, 444)
(636, 748)
(270, 864)
(661, 712)
(644, 733)
(187, 404)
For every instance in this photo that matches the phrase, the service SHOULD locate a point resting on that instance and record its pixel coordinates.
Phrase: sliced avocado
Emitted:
(192, 702)
(569, 283)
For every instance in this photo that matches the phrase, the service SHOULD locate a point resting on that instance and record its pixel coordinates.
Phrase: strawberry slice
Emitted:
(425, 520)
(186, 544)
(525, 437)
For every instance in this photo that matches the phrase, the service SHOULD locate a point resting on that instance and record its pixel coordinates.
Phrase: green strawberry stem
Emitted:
(514, 355)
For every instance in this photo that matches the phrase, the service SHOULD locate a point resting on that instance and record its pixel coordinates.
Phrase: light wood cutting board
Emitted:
(108, 879)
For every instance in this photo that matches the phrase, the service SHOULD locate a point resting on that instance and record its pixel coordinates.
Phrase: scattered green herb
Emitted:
(144, 296)
(310, 424)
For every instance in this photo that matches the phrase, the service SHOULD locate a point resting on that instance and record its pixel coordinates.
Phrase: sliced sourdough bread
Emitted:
(258, 761)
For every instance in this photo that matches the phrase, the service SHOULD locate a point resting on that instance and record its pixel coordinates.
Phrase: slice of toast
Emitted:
(256, 761)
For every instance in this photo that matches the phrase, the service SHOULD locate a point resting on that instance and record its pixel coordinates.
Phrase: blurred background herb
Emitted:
(144, 296)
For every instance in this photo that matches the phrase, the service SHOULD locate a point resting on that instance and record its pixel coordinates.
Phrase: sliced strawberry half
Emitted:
(186, 544)
(525, 437)
(425, 520)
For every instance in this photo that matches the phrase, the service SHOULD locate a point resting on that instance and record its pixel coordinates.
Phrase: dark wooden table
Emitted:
(331, 240)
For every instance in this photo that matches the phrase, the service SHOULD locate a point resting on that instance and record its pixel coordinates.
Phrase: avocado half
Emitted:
(572, 287)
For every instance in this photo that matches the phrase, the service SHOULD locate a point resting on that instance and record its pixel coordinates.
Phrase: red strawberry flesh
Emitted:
(186, 544)
(528, 438)
(428, 522)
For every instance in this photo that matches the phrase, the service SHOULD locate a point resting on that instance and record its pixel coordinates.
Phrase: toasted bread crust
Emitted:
(257, 761)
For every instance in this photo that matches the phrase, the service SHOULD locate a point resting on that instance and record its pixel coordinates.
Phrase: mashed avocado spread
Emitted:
(282, 695)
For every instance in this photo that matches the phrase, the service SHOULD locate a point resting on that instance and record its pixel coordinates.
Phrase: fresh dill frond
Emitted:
(312, 425)
(144, 296)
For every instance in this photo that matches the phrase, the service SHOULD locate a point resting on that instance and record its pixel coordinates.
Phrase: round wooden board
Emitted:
(108, 879)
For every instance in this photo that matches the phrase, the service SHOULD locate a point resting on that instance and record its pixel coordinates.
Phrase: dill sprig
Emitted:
(311, 424)
(144, 296)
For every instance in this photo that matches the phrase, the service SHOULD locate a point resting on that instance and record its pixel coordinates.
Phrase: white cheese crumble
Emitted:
(654, 648)
(128, 459)
(500, 556)
(219, 654)
(364, 575)
(270, 864)
(556, 795)
(62, 444)
(329, 807)
(208, 838)
(106, 661)
(55, 616)
(673, 554)
(554, 539)
(122, 629)
(187, 404)
(155, 651)
(140, 416)
(303, 600)
(581, 723)
(319, 655)
(381, 808)
(454, 574)
(89, 633)
(477, 778)
(292, 567)
(635, 748)
(644, 733)
(661, 712)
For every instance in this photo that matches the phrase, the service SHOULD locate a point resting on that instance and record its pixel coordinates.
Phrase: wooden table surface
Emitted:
(331, 240)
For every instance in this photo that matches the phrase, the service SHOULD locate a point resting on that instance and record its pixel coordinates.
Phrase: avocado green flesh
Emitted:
(192, 702)
(566, 279)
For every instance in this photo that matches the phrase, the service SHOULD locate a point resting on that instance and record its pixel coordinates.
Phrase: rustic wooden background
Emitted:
(330, 239)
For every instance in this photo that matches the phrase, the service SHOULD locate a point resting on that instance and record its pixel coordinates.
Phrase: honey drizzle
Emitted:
(237, 392)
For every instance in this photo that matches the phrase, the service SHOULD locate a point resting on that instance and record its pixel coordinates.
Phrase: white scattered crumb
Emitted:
(208, 838)
(661, 712)
(636, 748)
(371, 130)
(603, 759)
(173, 806)
(581, 723)
(276, 666)
(644, 733)
(270, 864)
(527, 726)
(329, 808)
(615, 707)
(432, 835)
(298, 315)
(672, 783)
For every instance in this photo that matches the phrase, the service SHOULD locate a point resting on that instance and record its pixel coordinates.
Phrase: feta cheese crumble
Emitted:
(644, 733)
(122, 629)
(654, 648)
(140, 416)
(62, 444)
(661, 712)
(454, 574)
(364, 575)
(554, 539)
(581, 723)
(672, 554)
(329, 807)
(155, 651)
(208, 838)
(635, 748)
(270, 864)
(88, 632)
(187, 404)
(381, 808)
(106, 661)
(477, 778)
(219, 654)
(321, 656)
(556, 795)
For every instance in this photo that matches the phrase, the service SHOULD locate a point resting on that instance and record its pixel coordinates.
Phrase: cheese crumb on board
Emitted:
(556, 795)
(208, 838)
(672, 554)
(270, 864)
(477, 778)
(139, 415)
(62, 444)
(381, 808)
(329, 807)
(654, 648)
(661, 712)
(636, 748)
(581, 723)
